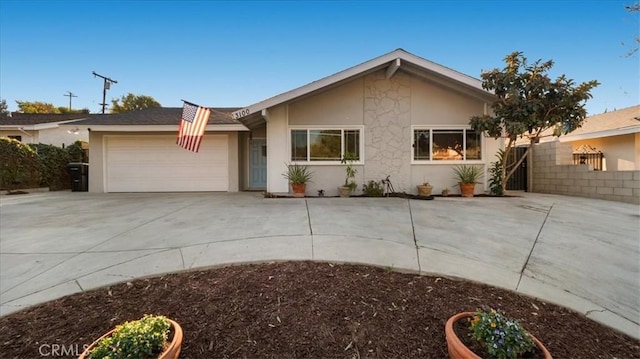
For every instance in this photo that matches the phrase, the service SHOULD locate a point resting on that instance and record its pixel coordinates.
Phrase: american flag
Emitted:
(192, 125)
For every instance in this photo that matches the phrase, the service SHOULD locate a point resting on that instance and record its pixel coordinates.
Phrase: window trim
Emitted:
(321, 128)
(431, 161)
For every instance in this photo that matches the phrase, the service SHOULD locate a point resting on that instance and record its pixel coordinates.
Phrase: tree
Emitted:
(528, 103)
(133, 102)
(633, 9)
(36, 107)
(4, 109)
(66, 110)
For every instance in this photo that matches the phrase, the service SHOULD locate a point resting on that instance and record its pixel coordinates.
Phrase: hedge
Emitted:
(19, 165)
(37, 165)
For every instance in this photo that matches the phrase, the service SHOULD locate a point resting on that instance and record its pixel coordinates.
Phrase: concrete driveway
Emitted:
(576, 252)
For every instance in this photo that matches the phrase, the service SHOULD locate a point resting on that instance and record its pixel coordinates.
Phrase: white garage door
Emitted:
(156, 164)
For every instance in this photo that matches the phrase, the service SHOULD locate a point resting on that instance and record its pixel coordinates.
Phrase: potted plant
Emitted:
(467, 177)
(144, 338)
(350, 184)
(298, 177)
(490, 334)
(424, 189)
(445, 192)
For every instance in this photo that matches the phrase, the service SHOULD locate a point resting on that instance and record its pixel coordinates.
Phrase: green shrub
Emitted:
(138, 339)
(495, 182)
(77, 153)
(53, 165)
(373, 189)
(19, 165)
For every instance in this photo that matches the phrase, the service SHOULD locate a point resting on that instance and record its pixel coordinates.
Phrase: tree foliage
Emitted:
(634, 8)
(528, 103)
(132, 102)
(66, 110)
(36, 107)
(4, 109)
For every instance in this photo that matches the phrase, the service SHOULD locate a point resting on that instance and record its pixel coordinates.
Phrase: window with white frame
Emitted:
(442, 144)
(324, 145)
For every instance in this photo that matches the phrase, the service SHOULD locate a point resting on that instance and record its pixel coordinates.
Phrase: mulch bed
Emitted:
(301, 310)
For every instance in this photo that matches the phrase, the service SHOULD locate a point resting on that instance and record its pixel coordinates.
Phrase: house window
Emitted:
(324, 145)
(441, 144)
(17, 137)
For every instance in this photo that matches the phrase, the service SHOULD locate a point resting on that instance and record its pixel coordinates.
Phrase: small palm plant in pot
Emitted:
(467, 177)
(298, 176)
(139, 339)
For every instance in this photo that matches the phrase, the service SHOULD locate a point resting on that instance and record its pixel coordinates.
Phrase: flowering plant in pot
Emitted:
(139, 339)
(491, 334)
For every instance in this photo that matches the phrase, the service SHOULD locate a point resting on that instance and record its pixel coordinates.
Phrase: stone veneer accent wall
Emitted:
(554, 172)
(387, 120)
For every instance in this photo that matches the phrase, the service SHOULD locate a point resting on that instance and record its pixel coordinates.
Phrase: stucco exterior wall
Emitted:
(277, 149)
(342, 105)
(386, 109)
(97, 163)
(622, 153)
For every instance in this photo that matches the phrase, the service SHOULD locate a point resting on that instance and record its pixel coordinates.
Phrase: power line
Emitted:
(107, 85)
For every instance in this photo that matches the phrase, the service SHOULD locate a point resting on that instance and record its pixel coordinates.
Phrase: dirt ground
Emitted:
(300, 310)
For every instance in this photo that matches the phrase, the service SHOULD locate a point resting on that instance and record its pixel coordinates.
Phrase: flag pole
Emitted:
(190, 103)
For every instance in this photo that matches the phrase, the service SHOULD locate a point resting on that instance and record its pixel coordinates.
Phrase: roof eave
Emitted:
(599, 134)
(162, 128)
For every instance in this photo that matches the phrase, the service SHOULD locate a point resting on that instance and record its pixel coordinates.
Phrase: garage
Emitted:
(154, 163)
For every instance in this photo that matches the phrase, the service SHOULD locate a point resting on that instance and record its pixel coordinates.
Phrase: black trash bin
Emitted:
(79, 173)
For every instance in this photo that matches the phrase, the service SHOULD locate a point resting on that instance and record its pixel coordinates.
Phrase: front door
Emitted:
(257, 164)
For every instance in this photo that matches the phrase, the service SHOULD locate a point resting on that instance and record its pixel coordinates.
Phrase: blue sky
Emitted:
(237, 53)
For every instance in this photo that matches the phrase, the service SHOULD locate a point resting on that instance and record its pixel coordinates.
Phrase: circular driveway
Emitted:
(580, 253)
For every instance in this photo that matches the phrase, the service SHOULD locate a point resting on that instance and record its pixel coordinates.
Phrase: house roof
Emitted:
(619, 122)
(613, 123)
(158, 116)
(27, 119)
(392, 62)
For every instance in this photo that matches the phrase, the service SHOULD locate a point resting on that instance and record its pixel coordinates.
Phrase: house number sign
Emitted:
(241, 113)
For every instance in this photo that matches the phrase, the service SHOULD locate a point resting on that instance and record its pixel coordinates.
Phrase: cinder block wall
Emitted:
(553, 172)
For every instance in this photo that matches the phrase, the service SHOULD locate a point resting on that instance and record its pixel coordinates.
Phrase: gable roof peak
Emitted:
(392, 61)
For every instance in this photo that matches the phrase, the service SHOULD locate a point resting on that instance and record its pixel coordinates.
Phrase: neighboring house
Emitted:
(401, 115)
(43, 128)
(616, 134)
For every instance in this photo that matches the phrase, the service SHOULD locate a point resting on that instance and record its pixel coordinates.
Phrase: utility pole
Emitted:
(107, 85)
(70, 94)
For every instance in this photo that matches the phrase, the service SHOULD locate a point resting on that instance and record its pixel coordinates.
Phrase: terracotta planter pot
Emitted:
(344, 191)
(466, 189)
(424, 191)
(298, 189)
(457, 350)
(171, 352)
